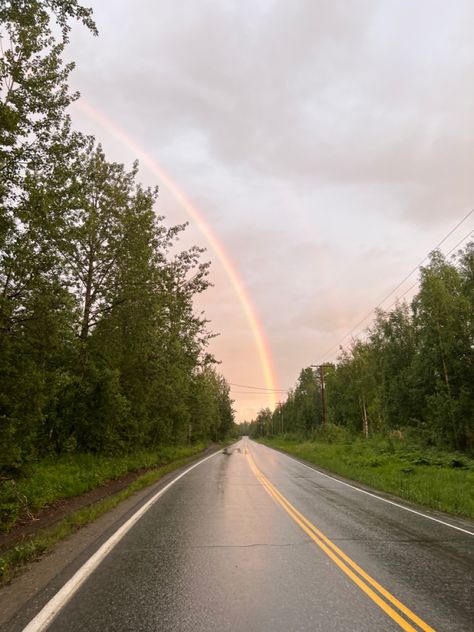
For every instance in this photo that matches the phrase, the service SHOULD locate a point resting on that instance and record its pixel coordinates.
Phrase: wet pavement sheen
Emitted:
(217, 552)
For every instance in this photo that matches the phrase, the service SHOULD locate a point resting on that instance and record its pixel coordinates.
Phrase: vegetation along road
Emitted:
(255, 540)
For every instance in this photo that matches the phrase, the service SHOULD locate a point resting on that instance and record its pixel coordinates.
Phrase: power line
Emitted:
(403, 281)
(278, 391)
(469, 234)
(260, 388)
(426, 256)
(253, 393)
(402, 295)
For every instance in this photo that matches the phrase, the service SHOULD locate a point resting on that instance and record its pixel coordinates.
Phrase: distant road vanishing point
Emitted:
(252, 540)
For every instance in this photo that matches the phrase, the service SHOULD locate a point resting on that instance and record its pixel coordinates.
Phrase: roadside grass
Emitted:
(12, 560)
(53, 479)
(427, 476)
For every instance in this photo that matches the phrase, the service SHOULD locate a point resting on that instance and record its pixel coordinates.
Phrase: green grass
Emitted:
(54, 479)
(32, 548)
(427, 476)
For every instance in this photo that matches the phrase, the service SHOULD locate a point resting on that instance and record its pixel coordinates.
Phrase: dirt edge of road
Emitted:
(25, 532)
(32, 581)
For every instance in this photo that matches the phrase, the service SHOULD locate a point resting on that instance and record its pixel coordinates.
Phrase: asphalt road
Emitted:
(255, 541)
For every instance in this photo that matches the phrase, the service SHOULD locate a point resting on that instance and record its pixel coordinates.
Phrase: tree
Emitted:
(33, 92)
(100, 346)
(35, 307)
(445, 358)
(210, 405)
(307, 401)
(345, 395)
(415, 367)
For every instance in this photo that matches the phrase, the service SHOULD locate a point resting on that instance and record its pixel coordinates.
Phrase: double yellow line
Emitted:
(364, 581)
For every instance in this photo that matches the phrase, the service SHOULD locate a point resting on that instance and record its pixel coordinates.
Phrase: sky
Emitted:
(319, 149)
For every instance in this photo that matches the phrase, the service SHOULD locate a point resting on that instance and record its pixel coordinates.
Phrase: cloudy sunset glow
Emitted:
(319, 151)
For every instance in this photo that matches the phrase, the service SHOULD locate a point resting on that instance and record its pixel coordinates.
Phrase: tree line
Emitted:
(100, 347)
(412, 373)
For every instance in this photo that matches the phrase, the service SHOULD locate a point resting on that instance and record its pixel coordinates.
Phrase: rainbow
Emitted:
(261, 343)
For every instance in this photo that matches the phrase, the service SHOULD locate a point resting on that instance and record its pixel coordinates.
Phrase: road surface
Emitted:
(256, 541)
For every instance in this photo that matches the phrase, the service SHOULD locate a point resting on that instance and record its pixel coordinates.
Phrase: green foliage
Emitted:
(210, 405)
(13, 559)
(263, 423)
(413, 374)
(54, 479)
(432, 477)
(101, 350)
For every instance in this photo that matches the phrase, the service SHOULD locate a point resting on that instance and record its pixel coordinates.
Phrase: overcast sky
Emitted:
(329, 145)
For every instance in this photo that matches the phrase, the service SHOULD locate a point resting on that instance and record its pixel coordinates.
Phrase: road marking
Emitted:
(362, 579)
(43, 619)
(363, 491)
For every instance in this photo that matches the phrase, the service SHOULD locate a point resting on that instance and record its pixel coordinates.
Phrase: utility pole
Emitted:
(366, 421)
(323, 393)
(321, 368)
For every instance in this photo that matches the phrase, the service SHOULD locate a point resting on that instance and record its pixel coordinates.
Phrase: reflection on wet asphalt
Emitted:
(219, 552)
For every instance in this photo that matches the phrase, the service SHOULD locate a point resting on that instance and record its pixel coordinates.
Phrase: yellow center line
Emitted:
(343, 561)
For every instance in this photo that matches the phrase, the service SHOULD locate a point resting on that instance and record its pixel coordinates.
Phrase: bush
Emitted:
(10, 505)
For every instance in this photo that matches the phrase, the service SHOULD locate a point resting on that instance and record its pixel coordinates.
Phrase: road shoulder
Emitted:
(39, 580)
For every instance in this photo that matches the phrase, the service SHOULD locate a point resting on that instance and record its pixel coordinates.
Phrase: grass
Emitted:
(32, 548)
(55, 479)
(431, 477)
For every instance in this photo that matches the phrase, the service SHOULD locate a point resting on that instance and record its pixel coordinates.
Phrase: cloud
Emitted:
(328, 144)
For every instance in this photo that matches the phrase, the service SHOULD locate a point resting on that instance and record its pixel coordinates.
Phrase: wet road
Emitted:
(255, 541)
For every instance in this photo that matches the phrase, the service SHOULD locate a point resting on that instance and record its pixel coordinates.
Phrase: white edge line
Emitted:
(51, 609)
(363, 491)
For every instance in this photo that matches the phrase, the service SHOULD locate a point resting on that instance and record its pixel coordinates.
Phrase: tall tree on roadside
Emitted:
(35, 308)
(445, 359)
(211, 406)
(33, 90)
